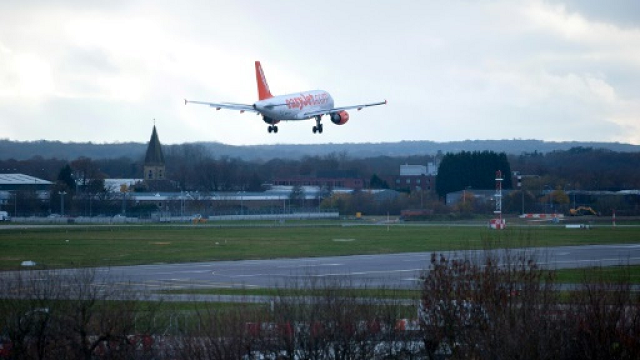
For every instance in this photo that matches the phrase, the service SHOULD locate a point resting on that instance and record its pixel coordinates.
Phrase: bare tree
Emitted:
(65, 315)
(493, 306)
(604, 315)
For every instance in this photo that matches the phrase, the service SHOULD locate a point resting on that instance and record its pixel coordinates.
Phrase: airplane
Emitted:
(299, 106)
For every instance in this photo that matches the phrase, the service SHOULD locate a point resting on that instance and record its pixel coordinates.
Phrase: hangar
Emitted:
(12, 184)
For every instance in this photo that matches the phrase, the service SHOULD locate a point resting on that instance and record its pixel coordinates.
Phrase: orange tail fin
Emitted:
(263, 87)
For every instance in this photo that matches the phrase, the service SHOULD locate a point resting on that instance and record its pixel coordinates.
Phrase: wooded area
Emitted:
(472, 170)
(193, 168)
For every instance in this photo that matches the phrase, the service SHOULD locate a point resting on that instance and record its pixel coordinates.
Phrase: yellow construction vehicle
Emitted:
(583, 210)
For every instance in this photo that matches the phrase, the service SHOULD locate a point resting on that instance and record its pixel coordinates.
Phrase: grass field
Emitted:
(611, 273)
(128, 245)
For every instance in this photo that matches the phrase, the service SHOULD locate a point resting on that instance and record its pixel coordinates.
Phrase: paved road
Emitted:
(391, 270)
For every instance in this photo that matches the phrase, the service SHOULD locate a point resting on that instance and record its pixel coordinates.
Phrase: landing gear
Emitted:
(318, 126)
(272, 128)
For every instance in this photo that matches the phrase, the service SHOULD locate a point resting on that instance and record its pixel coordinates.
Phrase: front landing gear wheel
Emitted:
(275, 129)
(270, 129)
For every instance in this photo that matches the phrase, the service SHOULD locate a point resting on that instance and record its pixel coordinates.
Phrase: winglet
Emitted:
(185, 101)
(263, 87)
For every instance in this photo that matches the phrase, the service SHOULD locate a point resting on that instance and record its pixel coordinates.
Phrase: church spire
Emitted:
(154, 168)
(154, 150)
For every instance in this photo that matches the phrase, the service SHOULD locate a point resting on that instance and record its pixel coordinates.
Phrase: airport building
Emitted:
(21, 182)
(335, 179)
(415, 178)
(12, 186)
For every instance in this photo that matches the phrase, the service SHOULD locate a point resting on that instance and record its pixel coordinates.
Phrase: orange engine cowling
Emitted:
(340, 117)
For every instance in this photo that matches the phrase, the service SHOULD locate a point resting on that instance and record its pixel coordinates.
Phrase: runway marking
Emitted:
(366, 272)
(175, 284)
(621, 260)
(306, 266)
(183, 272)
(248, 275)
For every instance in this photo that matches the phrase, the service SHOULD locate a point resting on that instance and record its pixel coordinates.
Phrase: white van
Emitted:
(4, 216)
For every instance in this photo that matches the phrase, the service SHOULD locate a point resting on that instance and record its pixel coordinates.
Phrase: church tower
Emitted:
(154, 160)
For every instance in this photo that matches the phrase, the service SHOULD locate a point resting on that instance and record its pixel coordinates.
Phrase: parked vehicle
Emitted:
(583, 210)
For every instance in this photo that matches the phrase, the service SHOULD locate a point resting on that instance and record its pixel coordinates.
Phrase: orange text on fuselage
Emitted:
(302, 101)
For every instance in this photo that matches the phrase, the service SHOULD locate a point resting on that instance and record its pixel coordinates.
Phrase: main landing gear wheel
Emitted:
(272, 128)
(318, 127)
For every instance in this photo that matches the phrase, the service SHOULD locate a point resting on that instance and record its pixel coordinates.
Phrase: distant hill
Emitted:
(21, 150)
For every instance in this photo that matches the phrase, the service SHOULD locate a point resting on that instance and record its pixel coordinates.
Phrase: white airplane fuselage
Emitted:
(295, 106)
(305, 105)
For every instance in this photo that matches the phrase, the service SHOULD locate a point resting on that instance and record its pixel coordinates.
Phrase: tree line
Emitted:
(23, 150)
(191, 167)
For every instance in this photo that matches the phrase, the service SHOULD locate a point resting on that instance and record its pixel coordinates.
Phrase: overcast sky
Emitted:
(101, 71)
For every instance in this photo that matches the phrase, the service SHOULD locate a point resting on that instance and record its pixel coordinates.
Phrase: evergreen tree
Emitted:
(377, 183)
(475, 170)
(65, 179)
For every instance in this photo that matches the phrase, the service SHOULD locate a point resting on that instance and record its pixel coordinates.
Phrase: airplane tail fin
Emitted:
(263, 87)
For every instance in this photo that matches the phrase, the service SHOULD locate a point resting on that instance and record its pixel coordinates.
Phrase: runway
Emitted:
(388, 270)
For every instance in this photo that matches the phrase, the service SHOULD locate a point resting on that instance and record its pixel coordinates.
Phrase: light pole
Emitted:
(549, 195)
(181, 205)
(464, 194)
(521, 191)
(124, 203)
(241, 202)
(62, 194)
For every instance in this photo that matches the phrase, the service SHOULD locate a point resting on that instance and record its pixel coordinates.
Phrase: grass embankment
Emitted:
(611, 273)
(132, 245)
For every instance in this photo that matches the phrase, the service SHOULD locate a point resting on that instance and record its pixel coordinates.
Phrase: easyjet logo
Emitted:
(302, 101)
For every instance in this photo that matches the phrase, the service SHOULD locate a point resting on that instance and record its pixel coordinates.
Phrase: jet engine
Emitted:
(340, 117)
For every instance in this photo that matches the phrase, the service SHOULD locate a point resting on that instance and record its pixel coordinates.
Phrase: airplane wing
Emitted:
(338, 109)
(228, 106)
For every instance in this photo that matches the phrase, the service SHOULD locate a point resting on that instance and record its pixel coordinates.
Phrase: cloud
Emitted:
(24, 75)
(451, 71)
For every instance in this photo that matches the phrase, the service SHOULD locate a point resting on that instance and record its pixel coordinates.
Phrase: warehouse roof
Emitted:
(21, 179)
